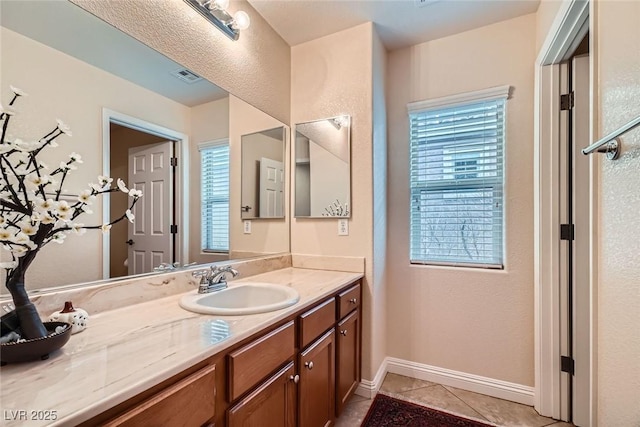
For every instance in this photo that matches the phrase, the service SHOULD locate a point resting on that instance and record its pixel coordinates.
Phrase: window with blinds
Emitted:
(215, 196)
(457, 180)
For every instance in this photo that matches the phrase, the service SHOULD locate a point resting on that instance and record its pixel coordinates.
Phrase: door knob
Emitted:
(130, 242)
(309, 365)
(295, 378)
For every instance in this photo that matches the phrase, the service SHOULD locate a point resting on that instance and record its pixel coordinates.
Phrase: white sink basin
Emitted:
(240, 299)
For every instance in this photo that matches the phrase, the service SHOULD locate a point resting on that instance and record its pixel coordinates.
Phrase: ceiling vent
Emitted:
(425, 3)
(186, 76)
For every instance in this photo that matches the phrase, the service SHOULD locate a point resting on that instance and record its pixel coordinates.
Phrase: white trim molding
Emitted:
(498, 92)
(214, 143)
(567, 30)
(491, 387)
(182, 177)
(569, 26)
(368, 388)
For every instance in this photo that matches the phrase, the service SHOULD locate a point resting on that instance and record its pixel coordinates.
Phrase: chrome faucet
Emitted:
(214, 279)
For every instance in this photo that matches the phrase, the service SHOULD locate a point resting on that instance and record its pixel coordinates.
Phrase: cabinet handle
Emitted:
(353, 300)
(309, 365)
(343, 333)
(295, 378)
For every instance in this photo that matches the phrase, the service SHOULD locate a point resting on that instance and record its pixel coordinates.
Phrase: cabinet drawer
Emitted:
(316, 321)
(348, 300)
(253, 362)
(190, 401)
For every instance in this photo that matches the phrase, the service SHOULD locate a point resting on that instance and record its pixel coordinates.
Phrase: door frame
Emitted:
(182, 177)
(572, 21)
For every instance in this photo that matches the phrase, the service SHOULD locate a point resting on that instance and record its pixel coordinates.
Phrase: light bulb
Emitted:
(219, 4)
(241, 20)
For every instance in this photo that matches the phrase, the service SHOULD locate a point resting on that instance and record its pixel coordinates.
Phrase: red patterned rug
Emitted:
(386, 411)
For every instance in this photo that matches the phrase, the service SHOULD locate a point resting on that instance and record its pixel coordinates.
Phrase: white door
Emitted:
(565, 153)
(574, 253)
(150, 238)
(271, 188)
(581, 245)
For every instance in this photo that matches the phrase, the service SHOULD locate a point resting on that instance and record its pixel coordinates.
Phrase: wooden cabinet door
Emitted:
(348, 358)
(317, 383)
(191, 401)
(272, 404)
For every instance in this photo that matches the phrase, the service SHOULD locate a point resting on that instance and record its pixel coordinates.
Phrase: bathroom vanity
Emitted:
(157, 364)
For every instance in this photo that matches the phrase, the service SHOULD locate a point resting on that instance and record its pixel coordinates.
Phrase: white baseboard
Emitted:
(368, 388)
(475, 383)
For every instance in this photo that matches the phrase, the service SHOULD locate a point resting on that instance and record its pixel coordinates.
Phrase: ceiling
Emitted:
(399, 23)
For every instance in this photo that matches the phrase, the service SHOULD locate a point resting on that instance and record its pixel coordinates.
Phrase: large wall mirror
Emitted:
(263, 174)
(125, 103)
(322, 168)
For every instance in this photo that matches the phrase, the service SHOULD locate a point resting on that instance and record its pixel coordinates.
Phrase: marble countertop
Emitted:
(128, 350)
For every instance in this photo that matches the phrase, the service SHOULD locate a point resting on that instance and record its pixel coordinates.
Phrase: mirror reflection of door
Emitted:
(142, 160)
(271, 188)
(263, 174)
(150, 240)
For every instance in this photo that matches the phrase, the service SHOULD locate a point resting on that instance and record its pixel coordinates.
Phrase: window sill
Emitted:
(466, 266)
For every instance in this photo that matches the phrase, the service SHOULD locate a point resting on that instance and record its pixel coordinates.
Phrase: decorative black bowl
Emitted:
(37, 348)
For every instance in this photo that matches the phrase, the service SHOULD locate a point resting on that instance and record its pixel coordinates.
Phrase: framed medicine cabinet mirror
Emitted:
(263, 174)
(322, 156)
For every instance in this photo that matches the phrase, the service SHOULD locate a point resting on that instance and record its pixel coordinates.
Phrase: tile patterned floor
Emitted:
(451, 399)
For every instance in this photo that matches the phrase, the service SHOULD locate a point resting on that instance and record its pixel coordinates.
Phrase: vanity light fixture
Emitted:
(215, 11)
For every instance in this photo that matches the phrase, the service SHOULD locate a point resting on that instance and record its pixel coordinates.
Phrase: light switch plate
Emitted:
(343, 227)
(247, 227)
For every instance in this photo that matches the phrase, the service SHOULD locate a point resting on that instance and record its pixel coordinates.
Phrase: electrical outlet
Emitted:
(343, 227)
(247, 227)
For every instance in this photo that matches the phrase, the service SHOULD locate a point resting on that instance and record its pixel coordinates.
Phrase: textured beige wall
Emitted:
(617, 55)
(470, 320)
(209, 122)
(254, 68)
(267, 235)
(332, 76)
(377, 316)
(60, 86)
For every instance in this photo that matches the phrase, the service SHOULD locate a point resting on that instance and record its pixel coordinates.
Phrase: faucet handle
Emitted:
(215, 269)
(218, 274)
(229, 269)
(203, 275)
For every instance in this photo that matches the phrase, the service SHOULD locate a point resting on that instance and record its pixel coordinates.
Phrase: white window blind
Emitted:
(456, 178)
(215, 196)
